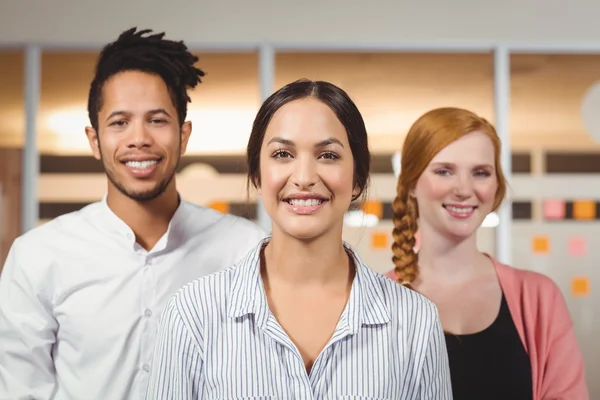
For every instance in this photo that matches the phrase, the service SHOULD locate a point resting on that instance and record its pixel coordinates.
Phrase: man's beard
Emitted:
(147, 195)
(141, 196)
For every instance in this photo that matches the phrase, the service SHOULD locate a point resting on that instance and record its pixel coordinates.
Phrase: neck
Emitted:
(449, 259)
(149, 220)
(307, 262)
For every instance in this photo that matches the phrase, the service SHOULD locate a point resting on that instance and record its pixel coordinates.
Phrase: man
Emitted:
(81, 296)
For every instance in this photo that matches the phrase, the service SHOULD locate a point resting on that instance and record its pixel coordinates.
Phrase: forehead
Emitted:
(474, 147)
(306, 121)
(135, 91)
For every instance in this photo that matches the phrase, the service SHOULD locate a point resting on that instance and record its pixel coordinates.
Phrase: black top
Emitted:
(491, 364)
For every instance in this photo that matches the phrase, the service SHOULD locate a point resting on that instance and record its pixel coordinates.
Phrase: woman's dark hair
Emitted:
(153, 54)
(339, 102)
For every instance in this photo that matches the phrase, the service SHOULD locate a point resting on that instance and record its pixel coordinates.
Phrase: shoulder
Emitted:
(525, 281)
(203, 298)
(204, 218)
(406, 305)
(535, 298)
(32, 254)
(48, 236)
(408, 299)
(210, 296)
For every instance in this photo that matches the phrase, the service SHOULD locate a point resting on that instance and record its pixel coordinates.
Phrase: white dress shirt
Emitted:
(219, 340)
(80, 300)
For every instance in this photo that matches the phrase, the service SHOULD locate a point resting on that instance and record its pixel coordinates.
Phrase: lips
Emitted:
(460, 211)
(304, 203)
(141, 164)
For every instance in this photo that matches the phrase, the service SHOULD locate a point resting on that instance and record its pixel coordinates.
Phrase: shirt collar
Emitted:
(173, 236)
(366, 303)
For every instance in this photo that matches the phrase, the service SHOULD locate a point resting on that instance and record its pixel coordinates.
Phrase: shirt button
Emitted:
(146, 368)
(148, 313)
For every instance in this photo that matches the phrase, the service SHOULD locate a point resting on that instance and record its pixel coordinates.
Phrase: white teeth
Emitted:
(141, 164)
(460, 210)
(305, 203)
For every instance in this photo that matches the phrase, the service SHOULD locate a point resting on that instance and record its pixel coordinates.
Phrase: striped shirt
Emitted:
(219, 340)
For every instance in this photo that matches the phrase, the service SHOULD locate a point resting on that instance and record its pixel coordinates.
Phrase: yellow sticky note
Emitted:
(584, 209)
(373, 208)
(541, 244)
(220, 206)
(580, 286)
(379, 240)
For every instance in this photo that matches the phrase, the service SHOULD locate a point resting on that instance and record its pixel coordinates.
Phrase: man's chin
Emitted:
(146, 196)
(141, 195)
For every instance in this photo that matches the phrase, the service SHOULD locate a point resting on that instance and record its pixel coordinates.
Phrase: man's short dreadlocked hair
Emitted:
(152, 54)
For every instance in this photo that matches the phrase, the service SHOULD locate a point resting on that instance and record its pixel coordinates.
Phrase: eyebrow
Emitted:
(449, 164)
(127, 113)
(322, 143)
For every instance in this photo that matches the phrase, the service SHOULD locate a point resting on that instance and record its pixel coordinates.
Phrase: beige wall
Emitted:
(295, 21)
(10, 199)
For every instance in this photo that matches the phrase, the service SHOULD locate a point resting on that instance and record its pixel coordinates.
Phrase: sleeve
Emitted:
(435, 378)
(564, 375)
(28, 332)
(177, 362)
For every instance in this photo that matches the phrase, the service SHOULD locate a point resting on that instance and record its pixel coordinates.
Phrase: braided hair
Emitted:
(147, 52)
(431, 133)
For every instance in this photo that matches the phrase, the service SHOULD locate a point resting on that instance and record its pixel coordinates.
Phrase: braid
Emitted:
(405, 226)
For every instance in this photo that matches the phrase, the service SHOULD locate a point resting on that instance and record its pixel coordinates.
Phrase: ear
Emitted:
(356, 191)
(186, 131)
(92, 136)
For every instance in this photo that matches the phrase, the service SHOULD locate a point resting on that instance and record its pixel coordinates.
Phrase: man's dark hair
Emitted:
(133, 50)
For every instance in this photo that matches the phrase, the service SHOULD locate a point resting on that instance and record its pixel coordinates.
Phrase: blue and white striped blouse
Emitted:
(219, 340)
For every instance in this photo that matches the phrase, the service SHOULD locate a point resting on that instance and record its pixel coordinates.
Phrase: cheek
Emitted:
(108, 145)
(169, 141)
(433, 188)
(339, 179)
(486, 191)
(272, 178)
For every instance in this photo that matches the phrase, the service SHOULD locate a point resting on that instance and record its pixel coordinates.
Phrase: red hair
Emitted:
(431, 133)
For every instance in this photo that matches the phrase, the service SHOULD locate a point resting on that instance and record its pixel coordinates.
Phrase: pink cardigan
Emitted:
(541, 316)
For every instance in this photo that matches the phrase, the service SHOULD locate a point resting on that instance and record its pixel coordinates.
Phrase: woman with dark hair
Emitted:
(301, 316)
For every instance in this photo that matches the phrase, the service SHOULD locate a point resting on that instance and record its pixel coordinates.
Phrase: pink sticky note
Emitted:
(577, 246)
(554, 209)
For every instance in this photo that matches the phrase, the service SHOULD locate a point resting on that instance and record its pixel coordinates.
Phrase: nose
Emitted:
(304, 174)
(463, 186)
(139, 137)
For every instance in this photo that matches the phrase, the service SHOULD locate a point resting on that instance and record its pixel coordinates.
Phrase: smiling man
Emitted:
(81, 296)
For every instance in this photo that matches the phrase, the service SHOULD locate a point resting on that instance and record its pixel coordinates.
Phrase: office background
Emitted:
(532, 68)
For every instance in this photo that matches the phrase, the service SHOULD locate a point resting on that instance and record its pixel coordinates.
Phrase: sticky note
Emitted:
(584, 209)
(541, 244)
(577, 246)
(580, 286)
(220, 206)
(373, 208)
(554, 209)
(379, 240)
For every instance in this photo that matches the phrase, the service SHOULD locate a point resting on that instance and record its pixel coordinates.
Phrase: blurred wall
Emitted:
(10, 199)
(306, 21)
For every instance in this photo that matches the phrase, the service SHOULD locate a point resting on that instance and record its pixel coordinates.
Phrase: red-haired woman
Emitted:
(508, 331)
